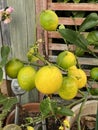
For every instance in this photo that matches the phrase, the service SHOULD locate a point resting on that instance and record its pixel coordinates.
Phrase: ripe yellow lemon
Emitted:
(12, 67)
(66, 59)
(48, 79)
(26, 78)
(12, 127)
(94, 73)
(80, 75)
(69, 88)
(49, 20)
(30, 128)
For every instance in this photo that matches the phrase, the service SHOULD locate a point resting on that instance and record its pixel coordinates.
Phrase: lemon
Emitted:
(69, 88)
(94, 73)
(12, 127)
(49, 20)
(12, 67)
(79, 52)
(66, 59)
(80, 75)
(48, 79)
(30, 128)
(26, 78)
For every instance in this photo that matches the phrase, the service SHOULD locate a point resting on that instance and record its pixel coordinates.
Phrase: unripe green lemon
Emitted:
(94, 73)
(12, 67)
(49, 20)
(69, 88)
(26, 78)
(66, 59)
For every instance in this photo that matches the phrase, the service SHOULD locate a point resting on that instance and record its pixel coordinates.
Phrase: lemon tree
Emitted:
(94, 73)
(49, 20)
(12, 67)
(79, 74)
(48, 79)
(69, 88)
(26, 78)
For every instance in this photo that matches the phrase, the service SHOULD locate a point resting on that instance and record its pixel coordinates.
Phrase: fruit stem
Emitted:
(80, 110)
(74, 103)
(42, 59)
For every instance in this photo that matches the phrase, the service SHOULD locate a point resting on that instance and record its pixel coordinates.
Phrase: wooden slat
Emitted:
(70, 21)
(82, 60)
(73, 6)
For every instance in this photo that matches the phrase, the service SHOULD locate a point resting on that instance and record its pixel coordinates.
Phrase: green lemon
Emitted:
(49, 20)
(94, 73)
(12, 67)
(66, 59)
(26, 78)
(69, 88)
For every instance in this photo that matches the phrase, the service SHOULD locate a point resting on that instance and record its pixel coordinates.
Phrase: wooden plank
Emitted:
(70, 21)
(82, 60)
(73, 6)
(22, 28)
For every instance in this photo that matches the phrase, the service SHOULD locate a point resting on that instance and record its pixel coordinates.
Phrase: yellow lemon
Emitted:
(80, 75)
(49, 20)
(69, 88)
(66, 59)
(30, 128)
(26, 78)
(48, 79)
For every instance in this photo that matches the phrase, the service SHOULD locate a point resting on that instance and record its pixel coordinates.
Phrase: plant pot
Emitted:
(29, 107)
(90, 108)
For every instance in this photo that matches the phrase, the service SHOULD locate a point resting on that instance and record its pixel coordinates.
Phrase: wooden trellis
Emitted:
(51, 45)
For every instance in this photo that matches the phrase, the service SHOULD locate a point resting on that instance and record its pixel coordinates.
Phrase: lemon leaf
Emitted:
(74, 37)
(5, 51)
(62, 110)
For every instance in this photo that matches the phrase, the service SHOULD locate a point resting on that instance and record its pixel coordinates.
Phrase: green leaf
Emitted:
(64, 111)
(90, 21)
(44, 106)
(5, 51)
(74, 37)
(1, 74)
(7, 103)
(92, 37)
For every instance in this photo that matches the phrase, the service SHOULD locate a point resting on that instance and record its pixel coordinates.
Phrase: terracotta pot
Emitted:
(89, 108)
(29, 107)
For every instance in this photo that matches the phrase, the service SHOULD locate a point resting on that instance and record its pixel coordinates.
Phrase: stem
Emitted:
(80, 111)
(1, 33)
(74, 103)
(42, 59)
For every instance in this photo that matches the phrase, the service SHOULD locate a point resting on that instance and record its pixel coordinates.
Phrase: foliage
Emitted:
(5, 50)
(6, 103)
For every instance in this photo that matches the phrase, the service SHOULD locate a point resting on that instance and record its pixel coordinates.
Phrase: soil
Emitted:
(50, 123)
(87, 123)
